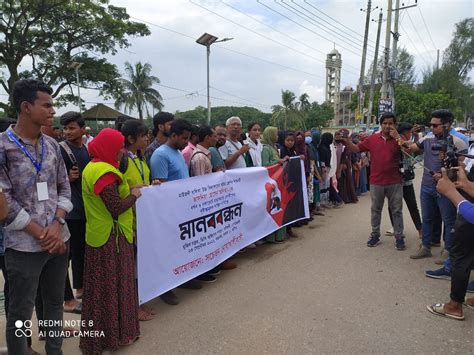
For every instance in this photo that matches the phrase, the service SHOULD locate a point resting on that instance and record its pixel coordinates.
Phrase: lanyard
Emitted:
(37, 164)
(142, 170)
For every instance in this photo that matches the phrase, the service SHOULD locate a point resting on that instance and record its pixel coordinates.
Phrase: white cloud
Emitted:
(297, 63)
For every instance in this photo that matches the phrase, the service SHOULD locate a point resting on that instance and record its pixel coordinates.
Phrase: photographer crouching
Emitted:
(441, 148)
(462, 250)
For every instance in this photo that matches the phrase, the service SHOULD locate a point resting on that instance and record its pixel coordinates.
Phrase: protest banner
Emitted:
(187, 227)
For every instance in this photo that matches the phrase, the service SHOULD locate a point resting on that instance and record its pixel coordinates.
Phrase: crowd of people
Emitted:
(72, 202)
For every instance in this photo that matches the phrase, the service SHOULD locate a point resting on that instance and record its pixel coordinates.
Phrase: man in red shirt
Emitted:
(385, 177)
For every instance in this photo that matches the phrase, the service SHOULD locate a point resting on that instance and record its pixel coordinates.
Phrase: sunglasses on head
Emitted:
(435, 125)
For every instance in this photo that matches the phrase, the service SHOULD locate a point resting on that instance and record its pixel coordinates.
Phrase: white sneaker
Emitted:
(389, 232)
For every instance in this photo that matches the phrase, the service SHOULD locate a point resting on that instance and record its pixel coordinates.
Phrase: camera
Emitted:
(447, 152)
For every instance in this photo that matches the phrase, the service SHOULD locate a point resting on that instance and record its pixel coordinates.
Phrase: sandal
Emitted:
(76, 310)
(144, 316)
(466, 304)
(130, 342)
(438, 309)
(147, 309)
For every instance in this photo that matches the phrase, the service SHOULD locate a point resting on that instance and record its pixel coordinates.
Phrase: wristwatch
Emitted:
(60, 220)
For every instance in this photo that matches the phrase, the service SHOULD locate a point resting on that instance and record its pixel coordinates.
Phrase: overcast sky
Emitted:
(270, 52)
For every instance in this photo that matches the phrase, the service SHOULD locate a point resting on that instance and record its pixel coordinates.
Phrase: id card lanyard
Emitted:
(141, 170)
(37, 164)
(41, 187)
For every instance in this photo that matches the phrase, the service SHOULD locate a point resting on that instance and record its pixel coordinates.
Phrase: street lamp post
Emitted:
(207, 40)
(76, 66)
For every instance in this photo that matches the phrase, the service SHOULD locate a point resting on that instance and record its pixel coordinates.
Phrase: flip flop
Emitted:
(76, 310)
(467, 305)
(438, 309)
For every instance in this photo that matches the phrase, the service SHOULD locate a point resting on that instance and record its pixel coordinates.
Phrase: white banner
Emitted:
(187, 227)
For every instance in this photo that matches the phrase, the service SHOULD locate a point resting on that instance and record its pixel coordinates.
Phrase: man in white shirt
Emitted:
(233, 151)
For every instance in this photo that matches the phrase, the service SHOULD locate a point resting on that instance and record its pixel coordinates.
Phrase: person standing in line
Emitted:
(216, 159)
(385, 177)
(36, 187)
(167, 164)
(87, 137)
(233, 152)
(254, 155)
(270, 157)
(161, 126)
(137, 173)
(76, 157)
(201, 164)
(110, 300)
(193, 141)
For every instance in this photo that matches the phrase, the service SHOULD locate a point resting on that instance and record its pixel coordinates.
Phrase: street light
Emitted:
(206, 40)
(76, 66)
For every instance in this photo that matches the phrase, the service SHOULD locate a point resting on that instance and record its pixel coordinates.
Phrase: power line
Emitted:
(281, 32)
(258, 34)
(238, 97)
(427, 29)
(419, 37)
(289, 8)
(414, 46)
(344, 33)
(333, 19)
(230, 50)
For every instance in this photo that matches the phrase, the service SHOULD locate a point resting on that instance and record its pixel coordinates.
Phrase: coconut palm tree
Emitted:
(137, 91)
(288, 113)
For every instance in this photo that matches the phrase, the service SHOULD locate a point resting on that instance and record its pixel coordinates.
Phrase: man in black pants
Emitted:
(462, 250)
(405, 130)
(76, 157)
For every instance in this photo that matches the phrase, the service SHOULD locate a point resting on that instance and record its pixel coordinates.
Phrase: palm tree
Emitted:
(288, 112)
(137, 92)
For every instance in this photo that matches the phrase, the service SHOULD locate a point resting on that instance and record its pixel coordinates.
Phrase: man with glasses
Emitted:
(440, 124)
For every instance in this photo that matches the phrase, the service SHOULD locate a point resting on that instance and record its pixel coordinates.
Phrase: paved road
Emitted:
(325, 292)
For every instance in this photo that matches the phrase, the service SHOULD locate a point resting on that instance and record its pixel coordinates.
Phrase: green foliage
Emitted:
(55, 33)
(460, 53)
(220, 114)
(138, 91)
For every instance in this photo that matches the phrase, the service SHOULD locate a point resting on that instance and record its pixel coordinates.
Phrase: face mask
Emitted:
(308, 140)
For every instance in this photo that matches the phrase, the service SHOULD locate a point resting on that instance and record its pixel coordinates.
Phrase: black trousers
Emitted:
(462, 257)
(410, 199)
(77, 227)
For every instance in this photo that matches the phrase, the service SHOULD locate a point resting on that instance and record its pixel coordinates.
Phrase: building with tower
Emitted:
(333, 78)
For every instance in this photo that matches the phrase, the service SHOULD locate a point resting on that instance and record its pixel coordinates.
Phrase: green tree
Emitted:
(405, 67)
(320, 115)
(137, 92)
(287, 115)
(460, 53)
(54, 33)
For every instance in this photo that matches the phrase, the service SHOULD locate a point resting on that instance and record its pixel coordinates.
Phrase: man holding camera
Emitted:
(435, 147)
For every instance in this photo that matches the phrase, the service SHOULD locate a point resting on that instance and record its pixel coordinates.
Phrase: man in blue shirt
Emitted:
(168, 164)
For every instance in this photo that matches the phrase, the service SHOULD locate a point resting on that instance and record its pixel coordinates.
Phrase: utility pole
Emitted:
(437, 60)
(385, 84)
(394, 75)
(374, 70)
(362, 65)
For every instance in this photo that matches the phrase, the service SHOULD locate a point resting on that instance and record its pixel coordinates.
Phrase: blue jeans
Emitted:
(430, 199)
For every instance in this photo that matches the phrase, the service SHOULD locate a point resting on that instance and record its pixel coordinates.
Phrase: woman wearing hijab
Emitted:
(270, 157)
(356, 164)
(324, 150)
(302, 150)
(345, 182)
(110, 300)
(315, 164)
